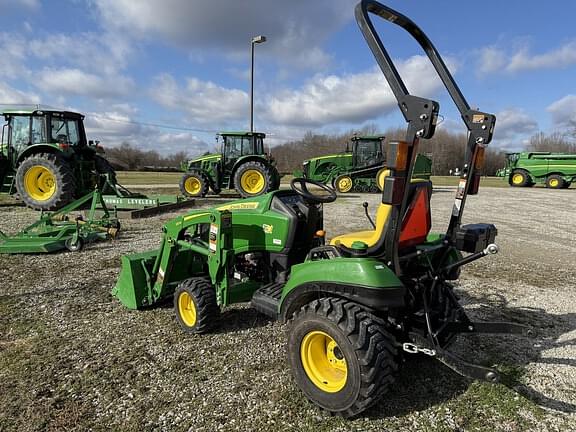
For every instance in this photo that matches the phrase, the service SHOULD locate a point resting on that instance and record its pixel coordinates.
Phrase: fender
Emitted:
(38, 148)
(366, 281)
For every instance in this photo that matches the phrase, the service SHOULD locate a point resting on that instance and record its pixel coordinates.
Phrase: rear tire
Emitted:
(195, 305)
(45, 181)
(193, 184)
(519, 179)
(253, 179)
(555, 181)
(341, 356)
(380, 177)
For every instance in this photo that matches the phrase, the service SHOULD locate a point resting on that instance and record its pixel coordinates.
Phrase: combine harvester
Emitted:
(525, 169)
(359, 304)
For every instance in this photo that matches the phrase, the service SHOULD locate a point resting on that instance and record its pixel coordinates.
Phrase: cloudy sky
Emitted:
(168, 74)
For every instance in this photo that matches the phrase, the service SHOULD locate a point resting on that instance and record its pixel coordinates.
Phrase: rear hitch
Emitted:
(491, 249)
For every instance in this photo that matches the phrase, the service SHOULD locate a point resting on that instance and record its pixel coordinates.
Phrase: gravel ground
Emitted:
(72, 358)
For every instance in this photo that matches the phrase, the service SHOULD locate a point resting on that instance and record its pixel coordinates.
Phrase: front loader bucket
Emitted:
(134, 286)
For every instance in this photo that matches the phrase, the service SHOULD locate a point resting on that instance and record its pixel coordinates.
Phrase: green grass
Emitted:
(453, 181)
(127, 178)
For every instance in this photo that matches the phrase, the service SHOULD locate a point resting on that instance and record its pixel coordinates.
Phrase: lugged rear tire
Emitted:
(195, 305)
(45, 181)
(341, 356)
(253, 178)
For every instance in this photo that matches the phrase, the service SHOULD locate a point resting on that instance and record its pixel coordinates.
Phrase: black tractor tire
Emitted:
(104, 168)
(341, 356)
(275, 179)
(194, 184)
(555, 181)
(195, 305)
(519, 178)
(76, 246)
(253, 178)
(45, 181)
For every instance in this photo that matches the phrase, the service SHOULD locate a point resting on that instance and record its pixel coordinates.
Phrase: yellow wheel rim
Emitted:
(381, 176)
(192, 185)
(554, 183)
(252, 181)
(187, 309)
(40, 183)
(344, 184)
(323, 362)
(517, 179)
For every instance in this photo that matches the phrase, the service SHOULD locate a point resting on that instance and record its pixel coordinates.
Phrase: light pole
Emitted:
(255, 40)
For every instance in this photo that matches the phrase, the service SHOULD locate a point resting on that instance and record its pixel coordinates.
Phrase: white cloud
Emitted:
(75, 82)
(204, 102)
(293, 28)
(350, 98)
(113, 128)
(563, 111)
(27, 4)
(12, 55)
(10, 95)
(495, 59)
(513, 129)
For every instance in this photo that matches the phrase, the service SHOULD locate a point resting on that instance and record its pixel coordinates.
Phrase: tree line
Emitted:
(446, 149)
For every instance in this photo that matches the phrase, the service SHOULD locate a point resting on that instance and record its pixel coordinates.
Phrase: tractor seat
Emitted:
(416, 222)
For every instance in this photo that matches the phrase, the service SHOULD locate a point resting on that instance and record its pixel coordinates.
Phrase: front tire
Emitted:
(341, 356)
(344, 183)
(253, 179)
(519, 179)
(555, 182)
(195, 305)
(45, 182)
(193, 184)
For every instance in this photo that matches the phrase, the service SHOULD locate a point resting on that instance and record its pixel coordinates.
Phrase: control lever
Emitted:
(365, 205)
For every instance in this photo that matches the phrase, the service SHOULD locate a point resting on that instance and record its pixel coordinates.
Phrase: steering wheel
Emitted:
(303, 191)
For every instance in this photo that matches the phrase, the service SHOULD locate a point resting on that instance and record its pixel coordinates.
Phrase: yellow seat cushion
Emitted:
(368, 237)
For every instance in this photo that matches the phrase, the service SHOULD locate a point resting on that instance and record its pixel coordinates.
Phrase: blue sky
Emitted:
(130, 65)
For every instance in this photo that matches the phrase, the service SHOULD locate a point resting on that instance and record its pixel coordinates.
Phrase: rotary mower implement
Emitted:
(354, 307)
(59, 230)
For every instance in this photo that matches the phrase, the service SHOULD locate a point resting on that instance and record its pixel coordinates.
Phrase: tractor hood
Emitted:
(327, 158)
(208, 157)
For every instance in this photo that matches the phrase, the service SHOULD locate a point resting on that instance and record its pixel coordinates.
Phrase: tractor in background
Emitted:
(359, 168)
(357, 305)
(525, 169)
(242, 164)
(46, 160)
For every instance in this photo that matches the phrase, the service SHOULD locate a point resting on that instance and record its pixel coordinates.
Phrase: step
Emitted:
(267, 298)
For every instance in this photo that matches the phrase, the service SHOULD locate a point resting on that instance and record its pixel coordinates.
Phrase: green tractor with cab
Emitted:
(242, 164)
(357, 305)
(359, 168)
(45, 158)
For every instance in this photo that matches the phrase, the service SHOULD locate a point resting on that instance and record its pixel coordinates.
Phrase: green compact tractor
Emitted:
(242, 165)
(359, 168)
(45, 158)
(555, 170)
(356, 306)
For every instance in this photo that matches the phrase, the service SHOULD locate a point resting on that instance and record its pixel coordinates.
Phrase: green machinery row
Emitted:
(354, 306)
(525, 169)
(361, 168)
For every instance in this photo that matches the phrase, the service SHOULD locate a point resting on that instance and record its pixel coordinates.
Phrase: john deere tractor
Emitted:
(45, 158)
(357, 305)
(360, 168)
(242, 165)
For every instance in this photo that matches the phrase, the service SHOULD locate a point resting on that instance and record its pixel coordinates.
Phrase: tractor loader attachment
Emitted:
(58, 230)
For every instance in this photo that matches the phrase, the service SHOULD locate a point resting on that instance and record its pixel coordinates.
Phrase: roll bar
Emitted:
(421, 115)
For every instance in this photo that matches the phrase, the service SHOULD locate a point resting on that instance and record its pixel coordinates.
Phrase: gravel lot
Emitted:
(72, 358)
